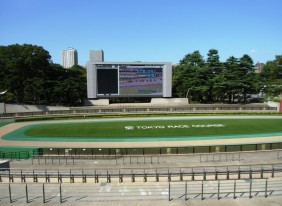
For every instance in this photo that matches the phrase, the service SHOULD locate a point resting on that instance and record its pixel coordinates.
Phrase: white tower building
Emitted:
(69, 57)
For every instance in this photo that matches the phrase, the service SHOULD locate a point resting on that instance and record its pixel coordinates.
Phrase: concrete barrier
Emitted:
(275, 104)
(25, 108)
(2, 108)
(170, 101)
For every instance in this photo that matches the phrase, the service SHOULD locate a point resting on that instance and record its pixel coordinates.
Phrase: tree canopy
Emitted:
(28, 75)
(272, 77)
(211, 80)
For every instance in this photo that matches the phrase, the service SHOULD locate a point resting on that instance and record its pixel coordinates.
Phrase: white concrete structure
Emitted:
(170, 101)
(21, 108)
(2, 108)
(274, 104)
(69, 57)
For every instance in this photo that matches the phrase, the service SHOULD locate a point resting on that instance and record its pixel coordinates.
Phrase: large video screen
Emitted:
(140, 81)
(129, 80)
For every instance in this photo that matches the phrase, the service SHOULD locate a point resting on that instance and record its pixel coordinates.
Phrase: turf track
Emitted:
(270, 131)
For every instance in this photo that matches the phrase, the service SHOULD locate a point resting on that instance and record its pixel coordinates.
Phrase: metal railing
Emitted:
(187, 190)
(224, 189)
(159, 174)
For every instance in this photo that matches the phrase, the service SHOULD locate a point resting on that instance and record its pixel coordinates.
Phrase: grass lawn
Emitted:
(149, 130)
(4, 123)
(16, 149)
(16, 152)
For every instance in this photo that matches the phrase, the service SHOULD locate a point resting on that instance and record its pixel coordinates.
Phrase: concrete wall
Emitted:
(2, 108)
(148, 108)
(170, 101)
(274, 104)
(98, 102)
(19, 108)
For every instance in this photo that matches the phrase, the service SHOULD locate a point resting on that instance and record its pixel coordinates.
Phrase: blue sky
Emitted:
(145, 30)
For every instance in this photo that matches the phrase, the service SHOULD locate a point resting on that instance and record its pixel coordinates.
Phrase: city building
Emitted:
(69, 57)
(96, 55)
(259, 67)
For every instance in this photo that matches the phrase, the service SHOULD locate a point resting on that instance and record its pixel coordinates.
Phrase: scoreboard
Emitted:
(109, 79)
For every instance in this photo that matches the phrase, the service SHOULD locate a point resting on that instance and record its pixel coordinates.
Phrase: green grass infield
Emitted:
(149, 130)
(4, 123)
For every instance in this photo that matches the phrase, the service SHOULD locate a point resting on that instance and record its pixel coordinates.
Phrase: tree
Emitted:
(23, 67)
(29, 76)
(272, 77)
(249, 79)
(239, 79)
(211, 80)
(70, 86)
(230, 78)
(213, 69)
(54, 77)
(186, 78)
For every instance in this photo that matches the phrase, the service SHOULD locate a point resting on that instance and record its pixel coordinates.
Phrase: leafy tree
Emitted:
(29, 76)
(22, 67)
(230, 78)
(272, 77)
(213, 69)
(187, 74)
(54, 77)
(76, 86)
(70, 86)
(249, 79)
(211, 80)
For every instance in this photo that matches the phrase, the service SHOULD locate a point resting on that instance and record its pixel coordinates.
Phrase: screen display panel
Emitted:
(140, 81)
(107, 81)
(129, 80)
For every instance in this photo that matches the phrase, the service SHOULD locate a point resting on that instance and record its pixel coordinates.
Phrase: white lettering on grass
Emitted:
(148, 127)
(129, 128)
(208, 125)
(178, 126)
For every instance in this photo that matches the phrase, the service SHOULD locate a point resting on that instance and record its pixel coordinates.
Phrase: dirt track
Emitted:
(11, 127)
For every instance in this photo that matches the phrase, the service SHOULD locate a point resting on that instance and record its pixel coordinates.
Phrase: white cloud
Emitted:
(253, 51)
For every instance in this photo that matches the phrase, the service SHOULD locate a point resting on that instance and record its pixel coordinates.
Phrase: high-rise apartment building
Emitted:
(96, 55)
(69, 57)
(259, 67)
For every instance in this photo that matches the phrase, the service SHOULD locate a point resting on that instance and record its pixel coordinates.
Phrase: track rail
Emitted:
(159, 174)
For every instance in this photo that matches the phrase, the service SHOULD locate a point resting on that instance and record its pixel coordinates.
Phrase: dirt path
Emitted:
(11, 127)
